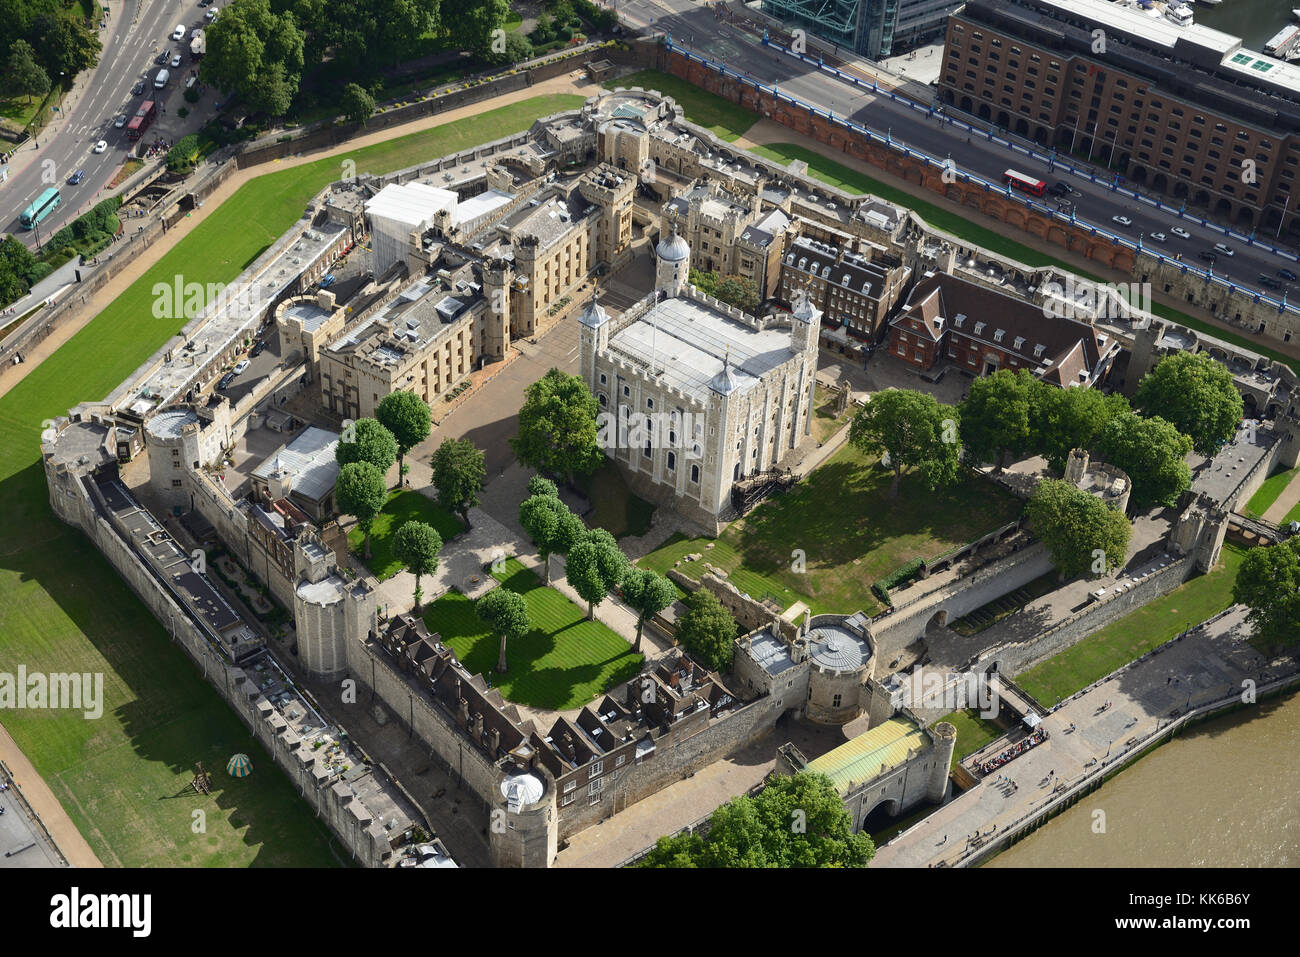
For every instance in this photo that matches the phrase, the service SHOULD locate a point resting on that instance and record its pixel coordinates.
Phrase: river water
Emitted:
(1224, 794)
(1255, 21)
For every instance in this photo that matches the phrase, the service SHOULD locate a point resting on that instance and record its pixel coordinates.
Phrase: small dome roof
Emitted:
(673, 249)
(804, 310)
(724, 383)
(594, 315)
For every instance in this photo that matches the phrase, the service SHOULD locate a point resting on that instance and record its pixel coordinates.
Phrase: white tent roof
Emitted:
(412, 204)
(1032, 721)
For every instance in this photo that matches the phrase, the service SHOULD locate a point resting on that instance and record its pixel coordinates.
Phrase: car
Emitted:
(176, 61)
(138, 88)
(1062, 188)
(204, 3)
(212, 14)
(1287, 274)
(226, 379)
(1223, 248)
(1157, 237)
(1207, 255)
(100, 146)
(240, 366)
(1122, 221)
(258, 346)
(76, 178)
(327, 281)
(1268, 282)
(1181, 233)
(119, 121)
(160, 59)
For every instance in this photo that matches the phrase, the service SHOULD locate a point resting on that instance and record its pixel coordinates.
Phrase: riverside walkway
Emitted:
(1209, 663)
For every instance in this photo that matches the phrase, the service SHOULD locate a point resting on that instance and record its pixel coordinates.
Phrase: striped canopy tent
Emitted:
(240, 766)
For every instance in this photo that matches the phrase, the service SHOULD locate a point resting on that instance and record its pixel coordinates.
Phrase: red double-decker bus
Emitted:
(1026, 184)
(140, 122)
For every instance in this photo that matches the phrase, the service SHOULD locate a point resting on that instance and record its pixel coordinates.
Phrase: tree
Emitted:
(738, 291)
(182, 156)
(557, 427)
(540, 515)
(795, 821)
(537, 485)
(407, 417)
(458, 475)
(1064, 419)
(594, 567)
(360, 492)
(416, 546)
(1196, 394)
(1268, 583)
(995, 416)
(256, 53)
(707, 631)
(647, 593)
(65, 47)
(506, 613)
(23, 75)
(358, 106)
(1082, 532)
(473, 23)
(368, 441)
(914, 430)
(1151, 451)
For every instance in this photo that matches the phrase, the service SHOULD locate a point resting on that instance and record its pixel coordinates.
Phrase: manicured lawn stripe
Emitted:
(1268, 492)
(563, 662)
(402, 507)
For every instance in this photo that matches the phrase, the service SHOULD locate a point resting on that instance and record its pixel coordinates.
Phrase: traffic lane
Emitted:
(125, 55)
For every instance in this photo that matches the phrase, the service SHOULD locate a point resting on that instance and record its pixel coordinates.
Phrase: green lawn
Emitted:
(726, 120)
(614, 507)
(850, 531)
(973, 732)
(563, 662)
(1268, 492)
(852, 181)
(401, 507)
(1135, 634)
(63, 608)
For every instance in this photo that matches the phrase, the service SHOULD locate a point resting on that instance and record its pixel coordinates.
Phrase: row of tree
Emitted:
(1187, 402)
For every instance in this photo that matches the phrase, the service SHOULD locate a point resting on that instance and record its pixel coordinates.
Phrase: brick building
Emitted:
(1181, 110)
(981, 330)
(854, 288)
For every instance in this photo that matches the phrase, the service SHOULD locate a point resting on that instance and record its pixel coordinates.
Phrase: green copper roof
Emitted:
(860, 759)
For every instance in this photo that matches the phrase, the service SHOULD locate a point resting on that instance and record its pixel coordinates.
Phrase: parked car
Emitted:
(1287, 274)
(1181, 233)
(1268, 282)
(176, 61)
(1223, 248)
(160, 59)
(100, 146)
(76, 178)
(138, 88)
(226, 379)
(327, 281)
(256, 351)
(1122, 221)
(240, 366)
(212, 14)
(1157, 237)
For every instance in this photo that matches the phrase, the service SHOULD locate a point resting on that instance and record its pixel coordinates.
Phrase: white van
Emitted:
(179, 32)
(160, 81)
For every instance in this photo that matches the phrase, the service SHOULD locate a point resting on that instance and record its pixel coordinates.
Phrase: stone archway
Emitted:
(1222, 208)
(985, 112)
(1004, 119)
(881, 814)
(1181, 190)
(966, 104)
(939, 618)
(1022, 127)
(1160, 183)
(1138, 175)
(1202, 198)
(1245, 216)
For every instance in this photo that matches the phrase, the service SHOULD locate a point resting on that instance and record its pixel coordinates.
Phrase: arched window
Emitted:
(695, 474)
(672, 462)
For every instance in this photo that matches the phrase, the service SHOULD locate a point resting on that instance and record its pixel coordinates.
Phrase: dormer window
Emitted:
(826, 272)
(957, 322)
(979, 327)
(1020, 341)
(997, 336)
(1039, 350)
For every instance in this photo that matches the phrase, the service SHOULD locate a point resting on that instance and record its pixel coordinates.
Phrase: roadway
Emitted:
(96, 100)
(696, 28)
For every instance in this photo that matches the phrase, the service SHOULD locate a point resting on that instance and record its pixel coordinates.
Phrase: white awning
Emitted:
(1032, 721)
